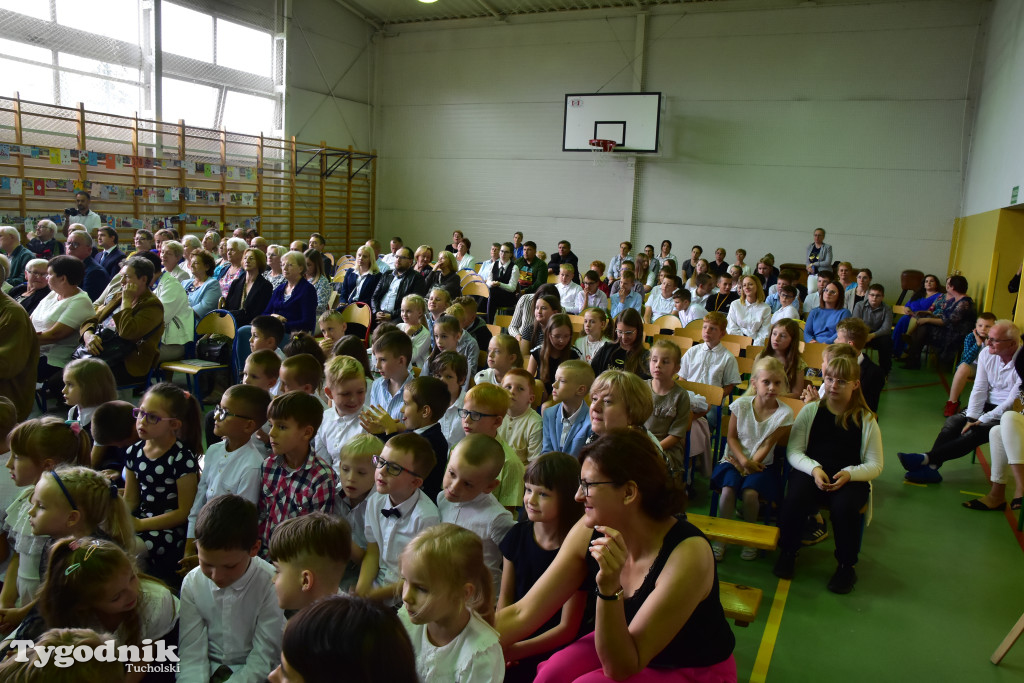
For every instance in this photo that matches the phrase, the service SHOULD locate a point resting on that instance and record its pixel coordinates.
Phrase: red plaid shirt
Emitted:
(289, 493)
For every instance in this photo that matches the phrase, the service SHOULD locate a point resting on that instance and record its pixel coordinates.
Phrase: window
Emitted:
(248, 113)
(29, 81)
(117, 19)
(187, 33)
(243, 48)
(99, 94)
(216, 72)
(195, 103)
(39, 10)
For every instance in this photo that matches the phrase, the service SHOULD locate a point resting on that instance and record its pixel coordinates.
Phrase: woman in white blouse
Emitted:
(61, 313)
(750, 316)
(171, 253)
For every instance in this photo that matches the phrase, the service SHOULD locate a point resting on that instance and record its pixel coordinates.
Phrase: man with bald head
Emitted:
(260, 243)
(995, 388)
(79, 245)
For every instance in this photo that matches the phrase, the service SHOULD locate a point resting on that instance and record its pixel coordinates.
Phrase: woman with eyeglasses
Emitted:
(627, 352)
(135, 314)
(835, 450)
(30, 292)
(821, 321)
(658, 610)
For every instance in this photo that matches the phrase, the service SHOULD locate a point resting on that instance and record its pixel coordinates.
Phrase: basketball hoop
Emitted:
(600, 149)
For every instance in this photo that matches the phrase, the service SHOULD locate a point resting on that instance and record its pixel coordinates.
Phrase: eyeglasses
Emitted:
(392, 468)
(585, 485)
(38, 274)
(73, 245)
(220, 414)
(149, 417)
(837, 383)
(473, 415)
(992, 340)
(626, 333)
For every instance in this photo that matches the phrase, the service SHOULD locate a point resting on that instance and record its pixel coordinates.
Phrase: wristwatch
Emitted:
(617, 595)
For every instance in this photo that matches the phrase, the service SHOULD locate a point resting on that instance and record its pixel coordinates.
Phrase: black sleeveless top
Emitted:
(705, 639)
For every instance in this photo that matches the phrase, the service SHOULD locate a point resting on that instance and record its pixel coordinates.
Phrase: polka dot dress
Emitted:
(158, 494)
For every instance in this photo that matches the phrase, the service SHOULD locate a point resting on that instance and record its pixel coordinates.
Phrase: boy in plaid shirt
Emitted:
(294, 481)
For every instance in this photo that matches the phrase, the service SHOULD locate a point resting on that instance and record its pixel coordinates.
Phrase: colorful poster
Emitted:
(5, 152)
(93, 160)
(54, 156)
(65, 156)
(39, 187)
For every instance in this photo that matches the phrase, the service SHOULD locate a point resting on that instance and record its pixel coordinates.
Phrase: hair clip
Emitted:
(76, 545)
(113, 491)
(188, 395)
(75, 425)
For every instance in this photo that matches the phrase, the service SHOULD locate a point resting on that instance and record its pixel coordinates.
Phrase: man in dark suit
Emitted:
(565, 255)
(395, 285)
(96, 279)
(109, 257)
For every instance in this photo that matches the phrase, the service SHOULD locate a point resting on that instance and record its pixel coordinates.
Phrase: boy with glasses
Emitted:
(483, 411)
(233, 464)
(591, 296)
(395, 513)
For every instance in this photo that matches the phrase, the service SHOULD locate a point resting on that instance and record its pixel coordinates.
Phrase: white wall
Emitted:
(775, 122)
(328, 50)
(997, 146)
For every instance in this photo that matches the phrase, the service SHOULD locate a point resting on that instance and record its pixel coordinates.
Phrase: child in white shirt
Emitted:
(467, 500)
(233, 464)
(522, 428)
(230, 621)
(446, 589)
(345, 386)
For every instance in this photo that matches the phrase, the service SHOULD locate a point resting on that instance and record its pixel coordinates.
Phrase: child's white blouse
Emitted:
(753, 433)
(474, 656)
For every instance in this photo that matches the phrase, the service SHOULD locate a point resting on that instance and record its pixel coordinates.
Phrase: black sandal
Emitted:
(976, 504)
(1015, 504)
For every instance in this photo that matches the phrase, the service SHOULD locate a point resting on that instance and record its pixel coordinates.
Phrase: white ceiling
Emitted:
(386, 12)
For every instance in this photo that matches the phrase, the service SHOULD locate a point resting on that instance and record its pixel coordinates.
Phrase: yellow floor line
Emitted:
(771, 633)
(911, 483)
(972, 493)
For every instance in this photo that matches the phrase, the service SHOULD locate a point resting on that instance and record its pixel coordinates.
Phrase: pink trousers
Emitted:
(579, 663)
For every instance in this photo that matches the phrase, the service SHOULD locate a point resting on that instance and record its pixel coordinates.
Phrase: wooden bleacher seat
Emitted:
(503, 321)
(736, 532)
(740, 603)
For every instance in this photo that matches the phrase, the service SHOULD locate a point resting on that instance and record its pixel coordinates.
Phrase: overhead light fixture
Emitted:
(428, 2)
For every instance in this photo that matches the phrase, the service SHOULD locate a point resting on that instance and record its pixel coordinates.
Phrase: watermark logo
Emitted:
(152, 656)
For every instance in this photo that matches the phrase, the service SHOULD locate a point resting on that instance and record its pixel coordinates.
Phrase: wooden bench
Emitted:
(736, 532)
(740, 603)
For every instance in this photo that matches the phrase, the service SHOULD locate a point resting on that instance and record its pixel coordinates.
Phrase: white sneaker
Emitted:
(719, 550)
(748, 554)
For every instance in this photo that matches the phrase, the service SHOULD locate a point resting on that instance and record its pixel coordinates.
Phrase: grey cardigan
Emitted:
(824, 257)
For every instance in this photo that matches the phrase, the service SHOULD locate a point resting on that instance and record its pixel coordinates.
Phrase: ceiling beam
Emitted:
(362, 14)
(490, 9)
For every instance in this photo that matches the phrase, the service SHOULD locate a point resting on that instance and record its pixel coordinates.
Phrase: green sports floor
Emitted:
(939, 586)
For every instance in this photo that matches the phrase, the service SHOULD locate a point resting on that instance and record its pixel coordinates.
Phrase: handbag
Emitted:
(115, 348)
(215, 348)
